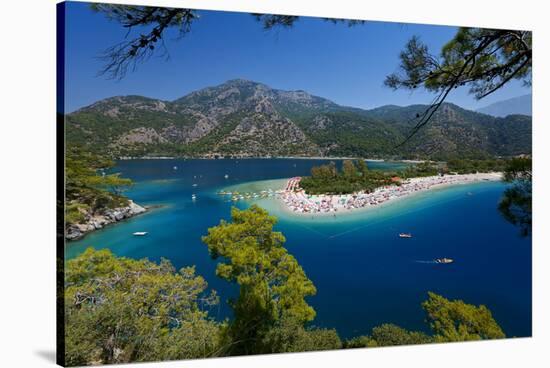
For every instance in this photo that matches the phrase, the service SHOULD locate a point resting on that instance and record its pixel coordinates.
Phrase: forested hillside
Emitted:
(244, 118)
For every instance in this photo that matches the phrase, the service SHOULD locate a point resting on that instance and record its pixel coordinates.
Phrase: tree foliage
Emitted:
(154, 21)
(349, 170)
(519, 168)
(137, 126)
(121, 310)
(468, 166)
(421, 169)
(454, 320)
(450, 321)
(516, 204)
(86, 170)
(354, 177)
(289, 335)
(482, 59)
(272, 284)
(87, 185)
(389, 335)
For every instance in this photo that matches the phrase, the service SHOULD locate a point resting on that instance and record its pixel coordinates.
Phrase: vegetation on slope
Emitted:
(454, 132)
(465, 166)
(122, 310)
(246, 118)
(449, 321)
(272, 285)
(88, 189)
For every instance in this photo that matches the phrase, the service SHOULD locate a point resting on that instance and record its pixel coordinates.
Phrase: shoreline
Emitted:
(111, 216)
(298, 203)
(130, 158)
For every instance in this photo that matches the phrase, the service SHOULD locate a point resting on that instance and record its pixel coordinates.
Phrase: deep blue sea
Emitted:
(364, 273)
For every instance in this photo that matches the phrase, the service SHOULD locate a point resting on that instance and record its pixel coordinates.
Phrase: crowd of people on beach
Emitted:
(293, 183)
(298, 201)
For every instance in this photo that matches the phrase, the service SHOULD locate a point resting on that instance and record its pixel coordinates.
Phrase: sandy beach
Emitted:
(296, 201)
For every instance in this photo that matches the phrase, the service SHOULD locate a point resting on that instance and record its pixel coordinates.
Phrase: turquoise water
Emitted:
(364, 273)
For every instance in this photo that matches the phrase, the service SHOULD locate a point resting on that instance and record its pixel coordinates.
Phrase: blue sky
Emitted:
(346, 65)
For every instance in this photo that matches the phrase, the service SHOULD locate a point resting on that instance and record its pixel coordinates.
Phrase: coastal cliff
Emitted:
(94, 221)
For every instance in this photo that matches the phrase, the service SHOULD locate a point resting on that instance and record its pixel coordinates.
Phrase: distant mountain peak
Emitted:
(246, 118)
(521, 105)
(239, 81)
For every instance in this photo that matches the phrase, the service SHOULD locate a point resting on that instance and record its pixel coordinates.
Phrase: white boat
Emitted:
(193, 197)
(405, 235)
(226, 176)
(140, 233)
(195, 184)
(175, 167)
(444, 260)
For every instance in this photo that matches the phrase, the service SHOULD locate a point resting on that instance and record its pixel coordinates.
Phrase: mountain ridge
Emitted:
(249, 119)
(520, 105)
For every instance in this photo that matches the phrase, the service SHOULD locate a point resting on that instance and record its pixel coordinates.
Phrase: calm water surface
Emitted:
(364, 273)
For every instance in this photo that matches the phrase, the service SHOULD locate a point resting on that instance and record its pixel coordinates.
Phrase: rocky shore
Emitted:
(98, 221)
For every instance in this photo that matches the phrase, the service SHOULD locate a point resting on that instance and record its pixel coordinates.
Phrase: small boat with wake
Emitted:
(444, 260)
(405, 235)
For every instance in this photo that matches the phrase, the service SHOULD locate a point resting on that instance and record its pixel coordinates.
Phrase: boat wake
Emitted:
(426, 262)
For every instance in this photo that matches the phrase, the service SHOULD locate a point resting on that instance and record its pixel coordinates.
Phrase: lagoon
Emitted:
(364, 273)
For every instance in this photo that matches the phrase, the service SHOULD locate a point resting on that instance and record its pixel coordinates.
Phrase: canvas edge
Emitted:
(60, 183)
